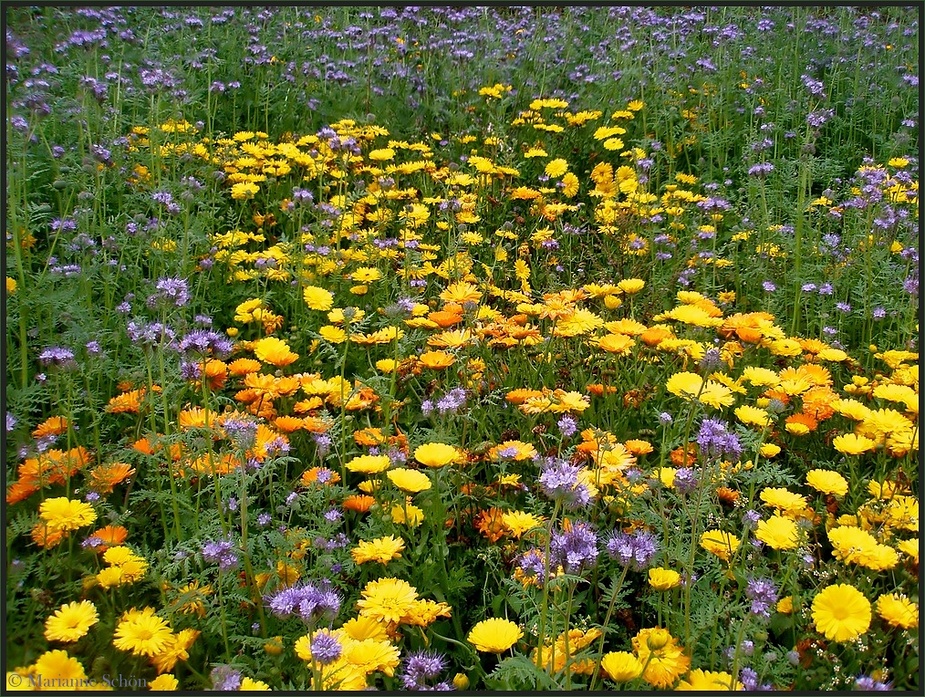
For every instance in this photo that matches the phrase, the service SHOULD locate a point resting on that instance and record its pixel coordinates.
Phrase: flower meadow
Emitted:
(474, 348)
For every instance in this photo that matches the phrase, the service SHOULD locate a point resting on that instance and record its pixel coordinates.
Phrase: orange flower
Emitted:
(598, 390)
(653, 336)
(311, 476)
(359, 503)
(143, 445)
(727, 496)
(684, 457)
(638, 447)
(20, 491)
(368, 437)
(243, 366)
(491, 524)
(216, 372)
(521, 395)
(288, 424)
(817, 402)
(437, 360)
(44, 536)
(111, 535)
(128, 402)
(51, 426)
(446, 318)
(105, 477)
(804, 419)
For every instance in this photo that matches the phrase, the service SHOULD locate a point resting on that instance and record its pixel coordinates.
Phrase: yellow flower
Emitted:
(769, 450)
(363, 627)
(366, 274)
(381, 155)
(827, 481)
(631, 286)
(708, 681)
(851, 444)
(369, 464)
(784, 500)
(519, 522)
(716, 395)
(494, 635)
(685, 385)
(898, 610)
(437, 360)
(722, 544)
(663, 658)
(142, 632)
(778, 532)
(841, 612)
(71, 621)
(58, 668)
(437, 454)
(760, 377)
(409, 480)
(382, 550)
(753, 416)
(621, 666)
(251, 685)
(616, 343)
(663, 579)
(387, 599)
(10, 285)
(274, 351)
(61, 514)
(556, 168)
(333, 334)
(317, 298)
(461, 293)
(164, 683)
(407, 514)
(244, 190)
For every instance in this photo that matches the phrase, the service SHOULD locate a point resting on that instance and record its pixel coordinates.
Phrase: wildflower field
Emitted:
(474, 348)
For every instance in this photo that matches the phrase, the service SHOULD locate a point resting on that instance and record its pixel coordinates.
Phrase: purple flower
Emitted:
(763, 594)
(711, 360)
(10, 422)
(685, 480)
(225, 678)
(567, 426)
(866, 683)
(325, 647)
(749, 679)
(769, 286)
(420, 667)
(205, 342)
(817, 118)
(715, 440)
(559, 481)
(313, 603)
(635, 550)
(152, 334)
(532, 565)
(843, 307)
(665, 418)
(170, 291)
(761, 170)
(575, 549)
(221, 552)
(57, 356)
